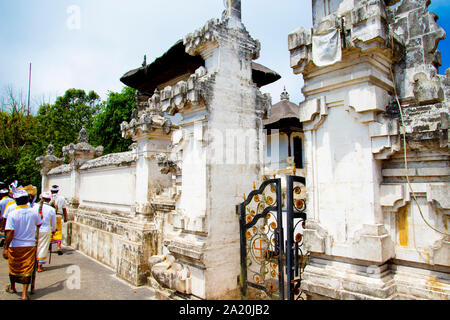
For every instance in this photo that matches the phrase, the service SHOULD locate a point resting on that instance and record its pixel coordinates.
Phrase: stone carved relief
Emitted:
(167, 166)
(421, 34)
(83, 136)
(395, 196)
(204, 40)
(150, 120)
(50, 150)
(426, 90)
(376, 237)
(82, 151)
(313, 112)
(444, 140)
(194, 41)
(385, 136)
(49, 161)
(168, 273)
(185, 94)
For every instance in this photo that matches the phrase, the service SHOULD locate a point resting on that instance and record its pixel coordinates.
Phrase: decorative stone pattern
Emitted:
(420, 88)
(202, 36)
(151, 119)
(82, 151)
(49, 161)
(185, 94)
(113, 159)
(204, 40)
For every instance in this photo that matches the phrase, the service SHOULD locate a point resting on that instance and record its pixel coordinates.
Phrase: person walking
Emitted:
(5, 199)
(47, 229)
(7, 203)
(59, 203)
(20, 244)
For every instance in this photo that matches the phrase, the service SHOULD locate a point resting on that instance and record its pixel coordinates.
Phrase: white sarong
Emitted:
(43, 245)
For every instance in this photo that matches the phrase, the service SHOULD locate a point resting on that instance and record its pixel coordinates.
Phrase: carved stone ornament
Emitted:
(183, 94)
(83, 136)
(50, 150)
(167, 165)
(49, 161)
(82, 151)
(152, 119)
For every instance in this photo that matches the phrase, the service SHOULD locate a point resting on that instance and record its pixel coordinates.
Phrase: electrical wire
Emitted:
(405, 154)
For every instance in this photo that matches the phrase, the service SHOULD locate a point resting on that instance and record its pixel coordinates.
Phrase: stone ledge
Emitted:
(396, 282)
(114, 159)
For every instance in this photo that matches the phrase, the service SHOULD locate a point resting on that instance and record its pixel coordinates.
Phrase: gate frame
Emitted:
(287, 252)
(292, 266)
(279, 235)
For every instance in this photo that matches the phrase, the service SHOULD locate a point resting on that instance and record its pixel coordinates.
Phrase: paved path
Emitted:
(74, 276)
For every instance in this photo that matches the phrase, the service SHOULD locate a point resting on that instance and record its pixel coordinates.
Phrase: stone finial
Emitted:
(49, 161)
(154, 105)
(50, 150)
(82, 151)
(166, 165)
(145, 61)
(152, 119)
(284, 95)
(83, 136)
(234, 8)
(201, 38)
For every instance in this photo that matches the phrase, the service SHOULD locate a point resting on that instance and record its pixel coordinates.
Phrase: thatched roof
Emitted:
(176, 62)
(282, 110)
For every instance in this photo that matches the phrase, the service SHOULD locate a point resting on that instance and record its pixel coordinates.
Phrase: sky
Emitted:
(90, 44)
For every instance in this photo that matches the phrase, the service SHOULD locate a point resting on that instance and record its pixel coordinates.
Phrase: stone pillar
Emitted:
(347, 135)
(150, 130)
(78, 154)
(221, 111)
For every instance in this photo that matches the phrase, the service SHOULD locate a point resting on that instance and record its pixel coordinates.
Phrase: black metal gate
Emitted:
(268, 263)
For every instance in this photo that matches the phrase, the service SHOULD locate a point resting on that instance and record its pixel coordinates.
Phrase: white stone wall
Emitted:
(109, 188)
(63, 181)
(103, 218)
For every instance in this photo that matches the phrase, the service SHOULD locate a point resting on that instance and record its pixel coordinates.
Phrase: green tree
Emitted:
(60, 123)
(106, 127)
(16, 140)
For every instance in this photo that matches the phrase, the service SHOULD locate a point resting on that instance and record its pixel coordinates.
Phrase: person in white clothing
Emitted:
(47, 229)
(59, 203)
(20, 244)
(7, 204)
(4, 200)
(11, 207)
